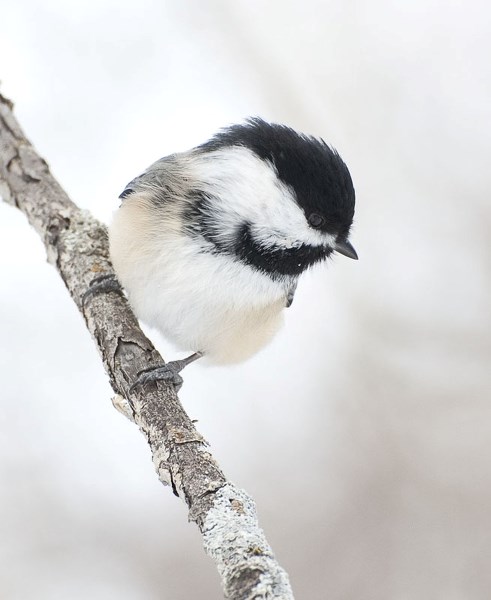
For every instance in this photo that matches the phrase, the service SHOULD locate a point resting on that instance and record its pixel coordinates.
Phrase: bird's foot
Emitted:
(102, 285)
(168, 372)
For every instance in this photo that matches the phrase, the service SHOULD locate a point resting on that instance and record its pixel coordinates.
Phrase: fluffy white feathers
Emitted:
(203, 300)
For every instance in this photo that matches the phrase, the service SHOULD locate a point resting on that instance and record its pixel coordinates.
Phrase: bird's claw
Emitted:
(102, 284)
(168, 372)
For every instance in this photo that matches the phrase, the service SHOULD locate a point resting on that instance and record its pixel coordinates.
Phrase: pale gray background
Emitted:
(364, 430)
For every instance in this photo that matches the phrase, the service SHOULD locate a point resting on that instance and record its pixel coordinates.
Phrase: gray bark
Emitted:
(76, 245)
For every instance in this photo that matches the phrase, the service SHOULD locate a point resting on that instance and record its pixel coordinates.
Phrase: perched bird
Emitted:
(210, 243)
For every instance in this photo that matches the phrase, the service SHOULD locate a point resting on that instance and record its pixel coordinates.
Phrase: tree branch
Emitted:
(76, 244)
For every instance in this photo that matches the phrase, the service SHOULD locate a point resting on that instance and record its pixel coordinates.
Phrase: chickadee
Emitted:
(210, 243)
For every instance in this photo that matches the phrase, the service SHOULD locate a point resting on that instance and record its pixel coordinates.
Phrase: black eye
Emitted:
(316, 220)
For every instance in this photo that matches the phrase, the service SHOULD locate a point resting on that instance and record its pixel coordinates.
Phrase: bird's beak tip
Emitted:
(345, 248)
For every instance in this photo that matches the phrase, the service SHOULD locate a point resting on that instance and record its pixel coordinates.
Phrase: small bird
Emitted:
(210, 243)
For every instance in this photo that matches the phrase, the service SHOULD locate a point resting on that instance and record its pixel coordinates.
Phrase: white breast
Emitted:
(200, 301)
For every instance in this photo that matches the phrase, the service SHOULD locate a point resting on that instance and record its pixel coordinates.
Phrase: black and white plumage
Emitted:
(209, 244)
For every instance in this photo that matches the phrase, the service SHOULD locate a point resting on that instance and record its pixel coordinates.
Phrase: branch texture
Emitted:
(76, 245)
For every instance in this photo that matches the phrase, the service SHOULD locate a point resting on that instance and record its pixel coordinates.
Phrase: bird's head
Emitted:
(279, 200)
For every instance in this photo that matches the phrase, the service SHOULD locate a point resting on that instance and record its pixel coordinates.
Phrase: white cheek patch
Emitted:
(246, 188)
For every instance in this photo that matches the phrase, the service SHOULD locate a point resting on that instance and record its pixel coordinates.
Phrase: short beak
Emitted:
(344, 247)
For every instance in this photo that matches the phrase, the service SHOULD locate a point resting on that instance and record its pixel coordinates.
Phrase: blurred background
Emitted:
(363, 431)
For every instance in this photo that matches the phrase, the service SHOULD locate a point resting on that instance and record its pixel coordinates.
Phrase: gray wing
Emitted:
(291, 294)
(127, 190)
(156, 178)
